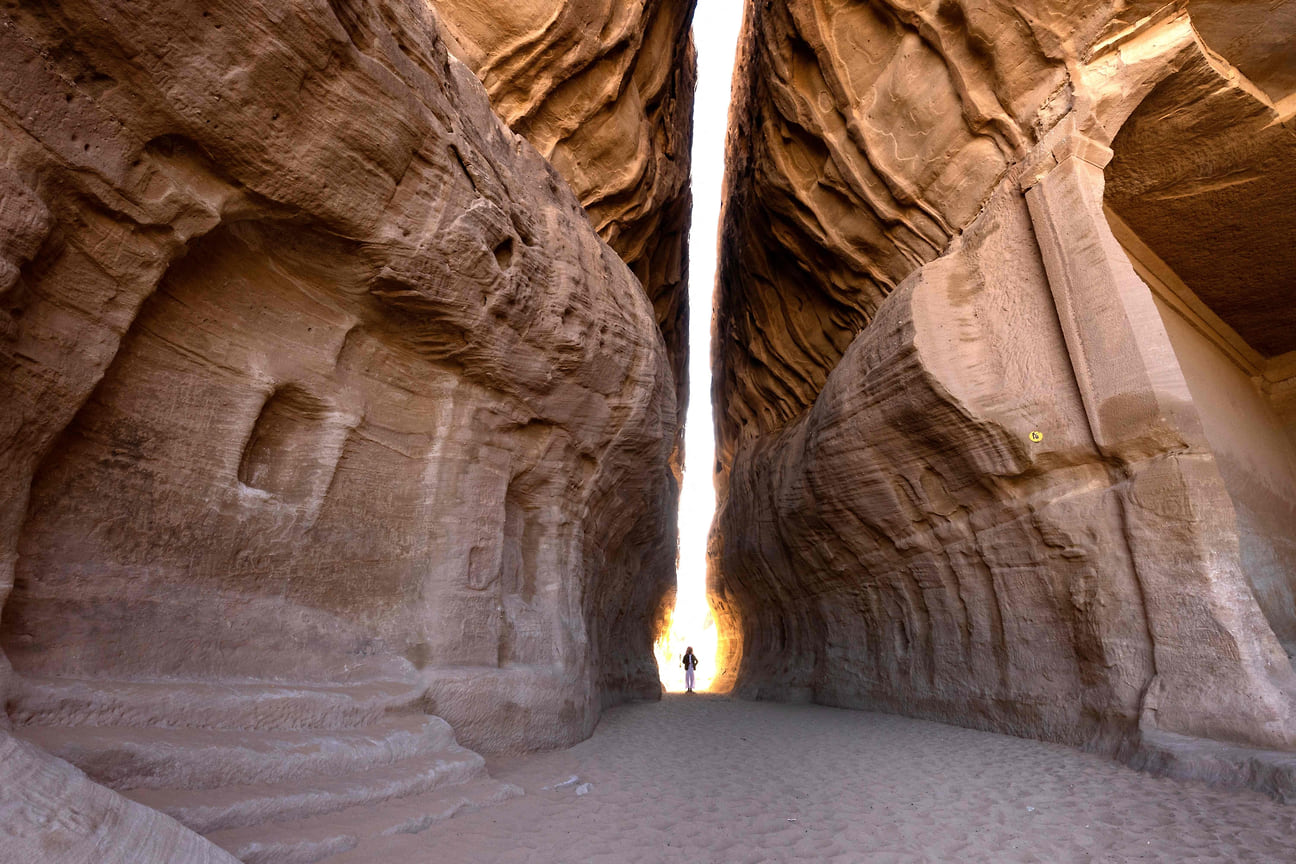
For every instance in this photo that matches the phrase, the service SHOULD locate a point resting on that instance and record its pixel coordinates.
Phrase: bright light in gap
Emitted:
(691, 624)
(715, 33)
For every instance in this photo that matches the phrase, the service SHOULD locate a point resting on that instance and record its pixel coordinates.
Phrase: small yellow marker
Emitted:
(1037, 436)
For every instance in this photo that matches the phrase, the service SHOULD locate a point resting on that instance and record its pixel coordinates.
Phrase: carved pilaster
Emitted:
(1220, 672)
(1134, 392)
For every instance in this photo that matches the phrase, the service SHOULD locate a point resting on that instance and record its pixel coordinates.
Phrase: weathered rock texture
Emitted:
(918, 273)
(604, 90)
(325, 407)
(50, 811)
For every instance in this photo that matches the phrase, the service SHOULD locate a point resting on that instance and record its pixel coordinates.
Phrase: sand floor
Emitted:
(703, 778)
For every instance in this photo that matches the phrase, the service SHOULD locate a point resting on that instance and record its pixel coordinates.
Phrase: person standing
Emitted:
(690, 663)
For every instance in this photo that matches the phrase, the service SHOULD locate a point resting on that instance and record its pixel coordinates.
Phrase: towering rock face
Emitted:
(604, 90)
(315, 373)
(994, 447)
(54, 813)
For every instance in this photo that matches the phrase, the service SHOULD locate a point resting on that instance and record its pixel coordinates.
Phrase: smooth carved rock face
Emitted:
(314, 371)
(604, 90)
(896, 316)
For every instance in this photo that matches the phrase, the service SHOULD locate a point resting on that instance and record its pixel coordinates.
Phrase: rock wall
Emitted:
(604, 90)
(53, 812)
(315, 372)
(963, 473)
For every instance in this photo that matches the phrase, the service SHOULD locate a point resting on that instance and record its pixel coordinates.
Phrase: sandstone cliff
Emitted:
(971, 467)
(320, 386)
(604, 90)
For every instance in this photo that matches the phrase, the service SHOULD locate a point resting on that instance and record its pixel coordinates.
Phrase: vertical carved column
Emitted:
(1220, 671)
(1133, 390)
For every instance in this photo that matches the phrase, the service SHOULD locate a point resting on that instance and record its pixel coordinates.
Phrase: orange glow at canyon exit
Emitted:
(715, 31)
(691, 623)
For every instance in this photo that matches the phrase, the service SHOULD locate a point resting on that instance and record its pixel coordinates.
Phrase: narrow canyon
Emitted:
(343, 356)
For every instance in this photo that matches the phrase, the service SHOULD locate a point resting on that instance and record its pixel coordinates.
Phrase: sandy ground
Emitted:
(707, 779)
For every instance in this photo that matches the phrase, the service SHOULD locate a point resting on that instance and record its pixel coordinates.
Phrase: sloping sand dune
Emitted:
(707, 779)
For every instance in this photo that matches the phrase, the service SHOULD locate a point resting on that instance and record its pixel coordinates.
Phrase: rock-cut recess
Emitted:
(1005, 371)
(336, 439)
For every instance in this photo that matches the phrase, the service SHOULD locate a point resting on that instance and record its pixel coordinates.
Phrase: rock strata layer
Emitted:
(315, 375)
(604, 90)
(994, 447)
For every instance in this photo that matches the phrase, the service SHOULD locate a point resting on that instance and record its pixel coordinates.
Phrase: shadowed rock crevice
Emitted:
(282, 454)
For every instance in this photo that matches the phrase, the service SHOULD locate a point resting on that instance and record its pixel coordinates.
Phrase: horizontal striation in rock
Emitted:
(863, 137)
(604, 90)
(944, 570)
(970, 467)
(316, 372)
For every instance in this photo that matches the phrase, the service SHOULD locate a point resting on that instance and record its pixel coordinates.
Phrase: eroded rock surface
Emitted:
(604, 90)
(971, 467)
(318, 376)
(864, 136)
(50, 811)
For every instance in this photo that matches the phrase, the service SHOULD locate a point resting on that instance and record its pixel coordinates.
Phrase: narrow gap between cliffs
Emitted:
(692, 623)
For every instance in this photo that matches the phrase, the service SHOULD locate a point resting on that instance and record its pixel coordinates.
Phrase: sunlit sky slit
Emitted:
(715, 33)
